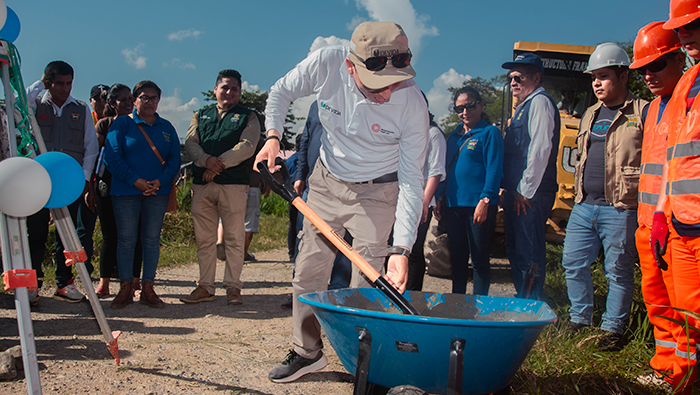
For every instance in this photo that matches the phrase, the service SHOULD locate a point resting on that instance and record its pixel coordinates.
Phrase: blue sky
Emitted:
(181, 45)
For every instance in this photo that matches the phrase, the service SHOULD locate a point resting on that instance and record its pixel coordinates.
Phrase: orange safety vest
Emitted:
(683, 179)
(653, 156)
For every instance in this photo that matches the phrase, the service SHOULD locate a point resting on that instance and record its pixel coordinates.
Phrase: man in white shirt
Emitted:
(369, 174)
(66, 126)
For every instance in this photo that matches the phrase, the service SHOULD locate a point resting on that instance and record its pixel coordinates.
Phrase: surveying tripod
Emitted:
(18, 274)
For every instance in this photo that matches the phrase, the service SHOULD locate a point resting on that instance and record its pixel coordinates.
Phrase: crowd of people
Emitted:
(375, 166)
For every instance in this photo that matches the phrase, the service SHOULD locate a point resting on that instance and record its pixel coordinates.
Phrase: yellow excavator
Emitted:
(564, 80)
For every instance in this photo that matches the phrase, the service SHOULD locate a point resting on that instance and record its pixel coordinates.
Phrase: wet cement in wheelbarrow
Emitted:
(445, 306)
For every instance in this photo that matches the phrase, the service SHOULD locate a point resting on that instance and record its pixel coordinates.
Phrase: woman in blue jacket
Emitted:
(475, 168)
(141, 184)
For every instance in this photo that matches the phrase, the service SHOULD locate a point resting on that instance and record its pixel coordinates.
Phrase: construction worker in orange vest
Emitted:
(658, 59)
(675, 233)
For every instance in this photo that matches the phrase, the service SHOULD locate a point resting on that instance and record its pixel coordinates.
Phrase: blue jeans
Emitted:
(525, 240)
(127, 210)
(589, 228)
(342, 266)
(467, 238)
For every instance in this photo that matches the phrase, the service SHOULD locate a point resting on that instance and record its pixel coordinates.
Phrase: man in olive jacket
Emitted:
(605, 210)
(219, 140)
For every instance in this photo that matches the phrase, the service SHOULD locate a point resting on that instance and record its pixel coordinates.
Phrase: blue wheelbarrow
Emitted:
(456, 344)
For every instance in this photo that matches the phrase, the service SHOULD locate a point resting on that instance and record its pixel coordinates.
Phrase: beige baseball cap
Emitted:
(372, 39)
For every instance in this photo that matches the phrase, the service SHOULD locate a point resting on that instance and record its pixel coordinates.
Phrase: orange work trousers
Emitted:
(685, 263)
(657, 288)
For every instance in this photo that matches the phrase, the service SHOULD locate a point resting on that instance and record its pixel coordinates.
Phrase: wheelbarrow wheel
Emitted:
(406, 390)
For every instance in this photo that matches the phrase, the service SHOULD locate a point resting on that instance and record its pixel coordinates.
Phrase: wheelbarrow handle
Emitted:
(285, 190)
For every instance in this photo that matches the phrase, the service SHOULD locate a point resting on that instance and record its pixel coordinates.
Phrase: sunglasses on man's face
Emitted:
(377, 63)
(469, 107)
(654, 66)
(689, 26)
(517, 78)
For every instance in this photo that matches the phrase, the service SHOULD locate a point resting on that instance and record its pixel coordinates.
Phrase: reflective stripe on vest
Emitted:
(684, 187)
(648, 198)
(663, 343)
(691, 148)
(686, 355)
(653, 169)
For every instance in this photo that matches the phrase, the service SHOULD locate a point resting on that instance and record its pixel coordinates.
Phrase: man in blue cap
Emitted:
(529, 171)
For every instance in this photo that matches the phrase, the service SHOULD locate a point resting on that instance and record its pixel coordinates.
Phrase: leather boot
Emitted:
(124, 297)
(149, 297)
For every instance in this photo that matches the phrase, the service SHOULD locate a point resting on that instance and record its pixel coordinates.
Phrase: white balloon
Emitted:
(3, 13)
(25, 186)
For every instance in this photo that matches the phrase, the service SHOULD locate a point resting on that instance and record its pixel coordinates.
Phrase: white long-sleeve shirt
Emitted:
(541, 130)
(363, 140)
(90, 146)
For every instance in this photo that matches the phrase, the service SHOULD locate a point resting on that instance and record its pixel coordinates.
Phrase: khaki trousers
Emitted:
(367, 212)
(210, 202)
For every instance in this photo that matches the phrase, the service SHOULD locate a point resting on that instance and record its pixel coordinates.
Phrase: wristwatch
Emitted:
(485, 200)
(398, 251)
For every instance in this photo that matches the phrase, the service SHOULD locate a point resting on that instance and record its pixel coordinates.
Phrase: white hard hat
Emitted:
(607, 55)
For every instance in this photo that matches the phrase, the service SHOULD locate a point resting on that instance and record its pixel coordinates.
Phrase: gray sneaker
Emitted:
(295, 366)
(69, 293)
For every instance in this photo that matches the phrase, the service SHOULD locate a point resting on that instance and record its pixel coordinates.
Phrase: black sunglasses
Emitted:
(654, 66)
(689, 26)
(469, 107)
(517, 78)
(377, 63)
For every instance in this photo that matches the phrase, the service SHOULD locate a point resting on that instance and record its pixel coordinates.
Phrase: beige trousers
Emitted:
(367, 212)
(210, 202)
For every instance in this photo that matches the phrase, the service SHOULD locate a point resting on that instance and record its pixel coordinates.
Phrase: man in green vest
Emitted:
(219, 140)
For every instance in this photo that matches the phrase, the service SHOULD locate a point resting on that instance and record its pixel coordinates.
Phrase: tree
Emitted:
(491, 91)
(256, 100)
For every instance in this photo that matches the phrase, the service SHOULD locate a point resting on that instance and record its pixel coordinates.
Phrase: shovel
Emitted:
(284, 189)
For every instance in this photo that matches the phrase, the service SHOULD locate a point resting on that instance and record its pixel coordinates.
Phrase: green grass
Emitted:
(562, 364)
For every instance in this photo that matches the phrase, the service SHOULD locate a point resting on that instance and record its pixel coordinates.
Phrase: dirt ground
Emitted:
(184, 349)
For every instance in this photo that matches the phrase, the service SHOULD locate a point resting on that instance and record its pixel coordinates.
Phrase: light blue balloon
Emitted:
(10, 31)
(67, 178)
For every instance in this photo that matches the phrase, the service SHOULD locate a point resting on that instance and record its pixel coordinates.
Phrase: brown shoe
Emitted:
(200, 294)
(124, 297)
(149, 297)
(233, 296)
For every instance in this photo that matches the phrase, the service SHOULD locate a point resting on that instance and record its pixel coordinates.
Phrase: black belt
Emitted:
(391, 177)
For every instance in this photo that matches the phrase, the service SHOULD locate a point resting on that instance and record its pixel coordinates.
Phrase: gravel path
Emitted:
(184, 349)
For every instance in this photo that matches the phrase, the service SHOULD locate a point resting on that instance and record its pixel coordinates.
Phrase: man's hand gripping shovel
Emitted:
(285, 189)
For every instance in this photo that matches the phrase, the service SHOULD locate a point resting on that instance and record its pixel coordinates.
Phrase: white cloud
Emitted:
(300, 108)
(356, 20)
(133, 56)
(183, 34)
(321, 42)
(402, 12)
(178, 113)
(250, 88)
(176, 62)
(439, 97)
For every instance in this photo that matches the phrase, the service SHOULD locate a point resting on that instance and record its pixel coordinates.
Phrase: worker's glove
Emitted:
(659, 239)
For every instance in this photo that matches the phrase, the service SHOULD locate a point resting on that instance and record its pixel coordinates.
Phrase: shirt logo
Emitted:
(520, 114)
(206, 117)
(166, 137)
(330, 109)
(472, 144)
(632, 122)
(44, 117)
(235, 117)
(74, 116)
(376, 128)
